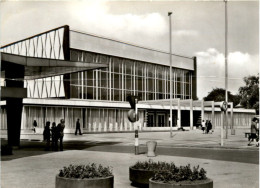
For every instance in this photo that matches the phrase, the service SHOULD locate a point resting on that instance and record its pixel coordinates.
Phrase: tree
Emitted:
(218, 94)
(250, 93)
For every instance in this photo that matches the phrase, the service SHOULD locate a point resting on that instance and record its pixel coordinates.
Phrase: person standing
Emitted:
(209, 127)
(254, 131)
(203, 126)
(47, 135)
(54, 137)
(60, 130)
(206, 127)
(34, 126)
(78, 128)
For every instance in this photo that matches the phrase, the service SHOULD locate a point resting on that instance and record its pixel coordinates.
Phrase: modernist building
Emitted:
(96, 93)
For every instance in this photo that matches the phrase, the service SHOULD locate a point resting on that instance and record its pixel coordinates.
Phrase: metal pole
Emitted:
(170, 54)
(226, 67)
(222, 129)
(136, 130)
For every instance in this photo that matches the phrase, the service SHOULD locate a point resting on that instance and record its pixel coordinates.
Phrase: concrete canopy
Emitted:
(42, 67)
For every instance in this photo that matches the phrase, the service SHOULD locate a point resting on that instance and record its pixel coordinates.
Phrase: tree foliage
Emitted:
(250, 93)
(218, 94)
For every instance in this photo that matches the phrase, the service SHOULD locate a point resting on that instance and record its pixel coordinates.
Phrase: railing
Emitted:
(52, 44)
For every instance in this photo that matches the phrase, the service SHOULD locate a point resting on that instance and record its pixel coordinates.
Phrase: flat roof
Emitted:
(93, 43)
(57, 43)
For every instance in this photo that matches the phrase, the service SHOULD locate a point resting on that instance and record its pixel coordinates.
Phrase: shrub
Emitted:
(85, 171)
(153, 166)
(183, 173)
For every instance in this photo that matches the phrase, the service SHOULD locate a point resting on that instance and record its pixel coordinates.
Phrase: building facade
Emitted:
(97, 96)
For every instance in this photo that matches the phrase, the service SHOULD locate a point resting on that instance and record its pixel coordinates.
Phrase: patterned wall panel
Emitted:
(45, 87)
(45, 45)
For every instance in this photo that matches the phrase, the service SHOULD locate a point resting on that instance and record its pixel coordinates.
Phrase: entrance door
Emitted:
(160, 120)
(150, 120)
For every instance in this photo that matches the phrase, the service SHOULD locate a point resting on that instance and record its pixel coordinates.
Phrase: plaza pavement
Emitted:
(39, 171)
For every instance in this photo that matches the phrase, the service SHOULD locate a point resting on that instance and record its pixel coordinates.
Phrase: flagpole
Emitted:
(226, 67)
(170, 54)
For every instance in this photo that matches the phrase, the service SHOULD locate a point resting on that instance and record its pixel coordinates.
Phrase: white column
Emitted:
(191, 114)
(202, 110)
(116, 126)
(121, 126)
(110, 126)
(131, 126)
(110, 83)
(105, 126)
(179, 114)
(99, 127)
(232, 119)
(89, 127)
(222, 129)
(95, 126)
(213, 114)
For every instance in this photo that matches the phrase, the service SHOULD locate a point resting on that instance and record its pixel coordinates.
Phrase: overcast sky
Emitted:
(197, 30)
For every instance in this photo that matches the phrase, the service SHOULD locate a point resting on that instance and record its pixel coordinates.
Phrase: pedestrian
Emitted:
(203, 125)
(47, 135)
(78, 128)
(54, 137)
(257, 133)
(209, 127)
(206, 126)
(254, 131)
(60, 130)
(34, 126)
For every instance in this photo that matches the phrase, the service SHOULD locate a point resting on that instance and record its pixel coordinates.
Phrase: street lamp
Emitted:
(170, 54)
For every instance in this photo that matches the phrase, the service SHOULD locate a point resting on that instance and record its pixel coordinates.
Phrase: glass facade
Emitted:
(126, 77)
(91, 119)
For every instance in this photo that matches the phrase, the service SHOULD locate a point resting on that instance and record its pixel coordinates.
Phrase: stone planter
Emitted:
(208, 183)
(107, 182)
(140, 177)
(151, 147)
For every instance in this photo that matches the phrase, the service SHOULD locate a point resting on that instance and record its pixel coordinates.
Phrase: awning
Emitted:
(41, 67)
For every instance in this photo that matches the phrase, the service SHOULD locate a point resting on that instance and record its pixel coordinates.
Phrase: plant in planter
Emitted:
(183, 177)
(141, 172)
(80, 176)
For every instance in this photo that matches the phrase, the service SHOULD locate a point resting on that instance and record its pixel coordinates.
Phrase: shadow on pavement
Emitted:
(35, 147)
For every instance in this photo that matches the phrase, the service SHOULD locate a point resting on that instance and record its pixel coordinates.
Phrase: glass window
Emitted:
(117, 95)
(150, 84)
(128, 82)
(187, 75)
(90, 78)
(117, 65)
(104, 79)
(117, 81)
(187, 89)
(150, 70)
(178, 88)
(90, 92)
(139, 84)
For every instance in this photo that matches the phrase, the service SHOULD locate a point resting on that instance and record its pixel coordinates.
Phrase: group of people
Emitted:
(254, 132)
(54, 134)
(206, 126)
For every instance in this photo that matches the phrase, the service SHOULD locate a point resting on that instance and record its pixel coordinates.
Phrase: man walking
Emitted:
(254, 131)
(60, 130)
(78, 128)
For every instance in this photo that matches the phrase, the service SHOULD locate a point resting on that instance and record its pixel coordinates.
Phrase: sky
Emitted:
(198, 29)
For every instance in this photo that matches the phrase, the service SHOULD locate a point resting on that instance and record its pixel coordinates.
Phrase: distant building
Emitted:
(112, 71)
